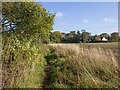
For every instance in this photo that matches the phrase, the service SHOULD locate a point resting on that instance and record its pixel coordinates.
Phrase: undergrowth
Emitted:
(23, 62)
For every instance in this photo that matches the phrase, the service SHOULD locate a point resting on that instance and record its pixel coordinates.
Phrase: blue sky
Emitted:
(94, 17)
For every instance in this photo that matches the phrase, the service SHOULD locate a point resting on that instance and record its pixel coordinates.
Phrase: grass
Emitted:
(23, 63)
(85, 66)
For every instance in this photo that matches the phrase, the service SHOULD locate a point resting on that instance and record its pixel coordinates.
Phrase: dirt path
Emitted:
(46, 83)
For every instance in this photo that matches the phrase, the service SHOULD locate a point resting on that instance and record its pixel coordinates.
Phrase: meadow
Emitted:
(85, 65)
(29, 64)
(29, 61)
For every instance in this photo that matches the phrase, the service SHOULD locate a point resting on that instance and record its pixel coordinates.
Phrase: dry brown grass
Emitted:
(92, 66)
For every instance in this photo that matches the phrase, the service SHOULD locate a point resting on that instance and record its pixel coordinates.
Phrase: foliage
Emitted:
(26, 19)
(56, 36)
(23, 62)
(25, 26)
(115, 36)
(85, 37)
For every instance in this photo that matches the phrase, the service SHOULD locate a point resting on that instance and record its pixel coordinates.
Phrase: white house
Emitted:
(104, 39)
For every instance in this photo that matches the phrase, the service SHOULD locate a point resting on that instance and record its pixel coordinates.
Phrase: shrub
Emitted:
(23, 62)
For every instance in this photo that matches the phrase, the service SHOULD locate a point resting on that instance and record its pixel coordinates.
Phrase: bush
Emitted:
(23, 62)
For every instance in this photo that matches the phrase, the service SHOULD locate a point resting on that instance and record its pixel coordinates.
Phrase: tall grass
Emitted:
(23, 62)
(84, 67)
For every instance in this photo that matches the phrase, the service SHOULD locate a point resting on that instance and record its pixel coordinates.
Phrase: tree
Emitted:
(104, 35)
(78, 36)
(114, 36)
(62, 37)
(70, 37)
(85, 36)
(23, 24)
(26, 19)
(92, 38)
(72, 34)
(56, 36)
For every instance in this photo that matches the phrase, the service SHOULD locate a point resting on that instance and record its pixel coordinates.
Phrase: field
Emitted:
(30, 59)
(86, 65)
(29, 64)
(112, 46)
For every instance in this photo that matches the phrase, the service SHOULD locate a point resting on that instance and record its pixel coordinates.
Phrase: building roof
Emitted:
(104, 39)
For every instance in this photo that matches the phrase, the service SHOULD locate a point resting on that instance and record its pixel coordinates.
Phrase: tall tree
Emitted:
(56, 36)
(72, 34)
(114, 36)
(85, 36)
(78, 36)
(26, 18)
(70, 37)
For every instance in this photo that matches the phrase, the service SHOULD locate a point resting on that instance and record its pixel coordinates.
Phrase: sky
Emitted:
(94, 17)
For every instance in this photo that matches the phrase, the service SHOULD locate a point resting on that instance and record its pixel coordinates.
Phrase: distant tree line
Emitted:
(83, 36)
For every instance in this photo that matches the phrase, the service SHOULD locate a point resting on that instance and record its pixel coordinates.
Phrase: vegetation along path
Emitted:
(46, 83)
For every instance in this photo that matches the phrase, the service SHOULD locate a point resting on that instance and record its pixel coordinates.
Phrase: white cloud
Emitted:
(85, 20)
(109, 20)
(59, 14)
